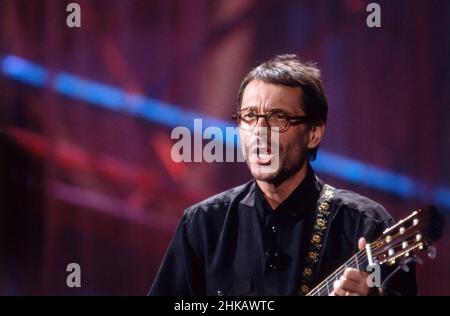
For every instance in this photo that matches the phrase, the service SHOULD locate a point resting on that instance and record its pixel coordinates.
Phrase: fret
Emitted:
(319, 292)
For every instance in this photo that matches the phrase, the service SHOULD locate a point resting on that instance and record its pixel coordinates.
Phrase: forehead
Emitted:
(265, 95)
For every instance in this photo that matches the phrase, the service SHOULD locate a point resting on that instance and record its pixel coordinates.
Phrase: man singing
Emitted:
(285, 231)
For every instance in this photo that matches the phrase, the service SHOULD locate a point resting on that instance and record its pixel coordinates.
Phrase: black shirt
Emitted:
(235, 244)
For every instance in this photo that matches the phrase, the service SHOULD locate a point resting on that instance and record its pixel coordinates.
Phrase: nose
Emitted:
(261, 122)
(262, 130)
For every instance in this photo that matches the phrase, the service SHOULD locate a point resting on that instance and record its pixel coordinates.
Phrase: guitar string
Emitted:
(318, 289)
(359, 258)
(362, 259)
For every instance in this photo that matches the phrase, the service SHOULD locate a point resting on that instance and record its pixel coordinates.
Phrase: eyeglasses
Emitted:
(247, 119)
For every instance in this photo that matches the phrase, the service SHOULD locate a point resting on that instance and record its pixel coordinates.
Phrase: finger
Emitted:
(354, 287)
(337, 290)
(362, 243)
(349, 285)
(344, 287)
(355, 275)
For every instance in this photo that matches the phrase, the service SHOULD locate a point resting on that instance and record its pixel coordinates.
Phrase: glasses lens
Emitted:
(247, 119)
(278, 119)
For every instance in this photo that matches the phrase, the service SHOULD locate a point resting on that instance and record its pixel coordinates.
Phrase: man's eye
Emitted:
(249, 115)
(279, 116)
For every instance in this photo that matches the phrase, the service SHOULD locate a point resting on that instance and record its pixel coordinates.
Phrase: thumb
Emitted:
(362, 243)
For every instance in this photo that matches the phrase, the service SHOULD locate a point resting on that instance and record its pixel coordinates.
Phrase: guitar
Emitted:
(398, 244)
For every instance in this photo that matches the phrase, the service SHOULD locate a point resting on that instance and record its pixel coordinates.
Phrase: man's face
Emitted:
(293, 144)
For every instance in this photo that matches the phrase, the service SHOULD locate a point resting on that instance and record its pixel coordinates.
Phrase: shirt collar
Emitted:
(300, 202)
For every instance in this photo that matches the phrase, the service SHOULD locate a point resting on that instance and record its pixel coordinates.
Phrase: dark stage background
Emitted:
(85, 179)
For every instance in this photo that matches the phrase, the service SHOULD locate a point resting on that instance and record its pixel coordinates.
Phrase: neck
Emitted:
(275, 193)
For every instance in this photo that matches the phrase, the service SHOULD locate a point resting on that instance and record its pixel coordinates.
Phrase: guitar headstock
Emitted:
(409, 236)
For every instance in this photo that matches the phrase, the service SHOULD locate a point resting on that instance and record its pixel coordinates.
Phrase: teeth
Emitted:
(264, 157)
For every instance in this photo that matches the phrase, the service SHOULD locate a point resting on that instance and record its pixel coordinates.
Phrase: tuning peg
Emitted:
(404, 263)
(405, 267)
(431, 251)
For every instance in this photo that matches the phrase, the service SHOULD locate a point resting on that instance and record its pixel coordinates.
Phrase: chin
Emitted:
(264, 173)
(273, 175)
(265, 177)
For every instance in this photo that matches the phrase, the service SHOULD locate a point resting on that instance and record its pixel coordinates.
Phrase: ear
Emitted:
(316, 133)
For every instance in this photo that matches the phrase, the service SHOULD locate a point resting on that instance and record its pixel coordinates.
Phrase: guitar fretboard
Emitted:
(358, 261)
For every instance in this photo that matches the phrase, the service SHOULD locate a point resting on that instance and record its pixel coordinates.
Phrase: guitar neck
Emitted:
(405, 239)
(358, 261)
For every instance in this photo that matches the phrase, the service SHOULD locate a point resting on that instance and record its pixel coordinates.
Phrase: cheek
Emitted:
(244, 140)
(293, 144)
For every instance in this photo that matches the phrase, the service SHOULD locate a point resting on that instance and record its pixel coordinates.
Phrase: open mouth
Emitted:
(261, 155)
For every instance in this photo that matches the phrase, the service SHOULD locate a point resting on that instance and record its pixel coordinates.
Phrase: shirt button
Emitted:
(275, 254)
(220, 293)
(274, 229)
(273, 267)
(267, 253)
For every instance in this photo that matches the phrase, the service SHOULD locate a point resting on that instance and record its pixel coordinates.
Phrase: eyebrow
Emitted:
(252, 107)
